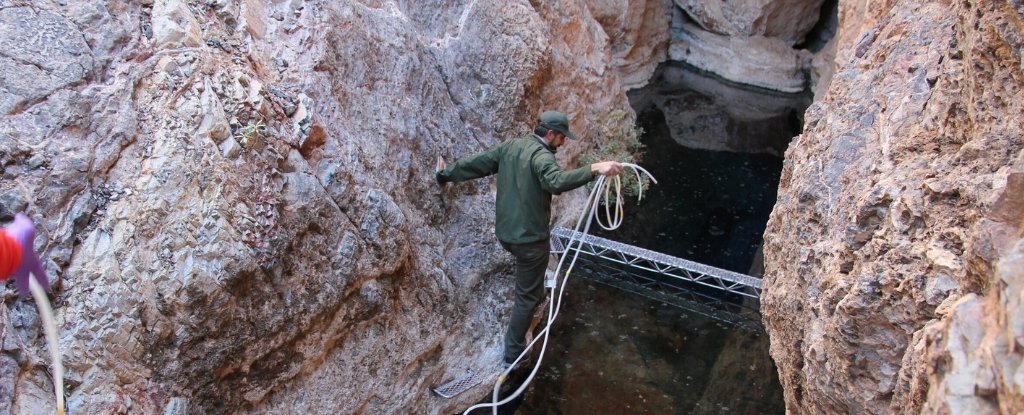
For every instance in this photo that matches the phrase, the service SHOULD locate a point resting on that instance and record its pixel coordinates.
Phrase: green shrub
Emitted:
(250, 136)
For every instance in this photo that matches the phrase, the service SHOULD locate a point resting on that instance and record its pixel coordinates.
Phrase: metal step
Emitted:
(460, 384)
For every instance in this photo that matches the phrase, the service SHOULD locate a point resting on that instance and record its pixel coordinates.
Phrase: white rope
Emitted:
(613, 219)
(50, 331)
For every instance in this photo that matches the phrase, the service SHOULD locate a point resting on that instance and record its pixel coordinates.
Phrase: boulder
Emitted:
(786, 20)
(315, 254)
(756, 60)
(892, 255)
(174, 25)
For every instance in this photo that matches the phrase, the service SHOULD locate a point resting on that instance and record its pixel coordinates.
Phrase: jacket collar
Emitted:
(544, 143)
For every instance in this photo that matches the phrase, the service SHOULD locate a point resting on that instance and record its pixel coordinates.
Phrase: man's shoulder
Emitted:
(525, 139)
(531, 143)
(525, 143)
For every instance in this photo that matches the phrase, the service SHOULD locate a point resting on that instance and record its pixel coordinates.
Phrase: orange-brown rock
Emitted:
(893, 265)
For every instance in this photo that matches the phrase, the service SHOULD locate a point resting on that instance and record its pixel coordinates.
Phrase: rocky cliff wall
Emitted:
(236, 198)
(759, 43)
(781, 50)
(893, 256)
(638, 34)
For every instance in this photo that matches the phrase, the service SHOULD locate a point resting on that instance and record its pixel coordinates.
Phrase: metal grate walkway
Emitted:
(675, 269)
(459, 384)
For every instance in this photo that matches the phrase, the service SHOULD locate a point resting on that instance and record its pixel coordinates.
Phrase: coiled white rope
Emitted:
(613, 217)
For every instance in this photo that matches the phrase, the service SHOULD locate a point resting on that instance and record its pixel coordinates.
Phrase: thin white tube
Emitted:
(50, 331)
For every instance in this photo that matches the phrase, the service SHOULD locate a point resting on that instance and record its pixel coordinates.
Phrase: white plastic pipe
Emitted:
(50, 331)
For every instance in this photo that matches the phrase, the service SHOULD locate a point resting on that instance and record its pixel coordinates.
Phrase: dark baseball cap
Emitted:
(554, 120)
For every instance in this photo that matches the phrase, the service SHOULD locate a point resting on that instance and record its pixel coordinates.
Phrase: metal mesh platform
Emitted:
(736, 311)
(458, 385)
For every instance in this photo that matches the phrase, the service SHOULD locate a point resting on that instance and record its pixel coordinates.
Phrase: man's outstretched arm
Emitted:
(472, 167)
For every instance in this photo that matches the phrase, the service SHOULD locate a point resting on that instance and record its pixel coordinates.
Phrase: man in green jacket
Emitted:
(527, 177)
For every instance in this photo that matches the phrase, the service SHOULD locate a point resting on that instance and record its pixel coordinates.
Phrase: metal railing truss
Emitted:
(674, 269)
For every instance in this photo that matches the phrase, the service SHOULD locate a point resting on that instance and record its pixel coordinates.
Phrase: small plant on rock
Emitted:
(250, 135)
(621, 143)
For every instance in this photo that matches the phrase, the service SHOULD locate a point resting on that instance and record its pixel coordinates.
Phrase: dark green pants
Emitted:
(531, 262)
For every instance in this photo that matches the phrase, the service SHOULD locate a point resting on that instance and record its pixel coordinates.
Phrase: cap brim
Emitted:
(570, 135)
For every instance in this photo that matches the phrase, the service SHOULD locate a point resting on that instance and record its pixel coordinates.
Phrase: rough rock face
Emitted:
(893, 256)
(751, 43)
(638, 32)
(786, 20)
(236, 198)
(50, 56)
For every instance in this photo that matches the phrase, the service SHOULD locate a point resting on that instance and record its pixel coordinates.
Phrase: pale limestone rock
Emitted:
(227, 11)
(757, 60)
(177, 406)
(214, 124)
(35, 394)
(943, 258)
(822, 68)
(253, 14)
(168, 65)
(786, 20)
(302, 118)
(230, 148)
(638, 33)
(174, 26)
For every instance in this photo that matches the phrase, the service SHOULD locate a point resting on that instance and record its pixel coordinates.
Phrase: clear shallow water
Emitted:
(618, 353)
(614, 352)
(708, 206)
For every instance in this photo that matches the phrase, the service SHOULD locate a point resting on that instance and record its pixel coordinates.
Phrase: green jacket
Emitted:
(527, 177)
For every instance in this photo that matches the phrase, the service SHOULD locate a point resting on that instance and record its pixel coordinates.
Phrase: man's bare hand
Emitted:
(607, 168)
(441, 165)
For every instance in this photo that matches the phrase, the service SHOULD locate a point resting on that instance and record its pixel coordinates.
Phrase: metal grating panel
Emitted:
(556, 245)
(743, 315)
(460, 384)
